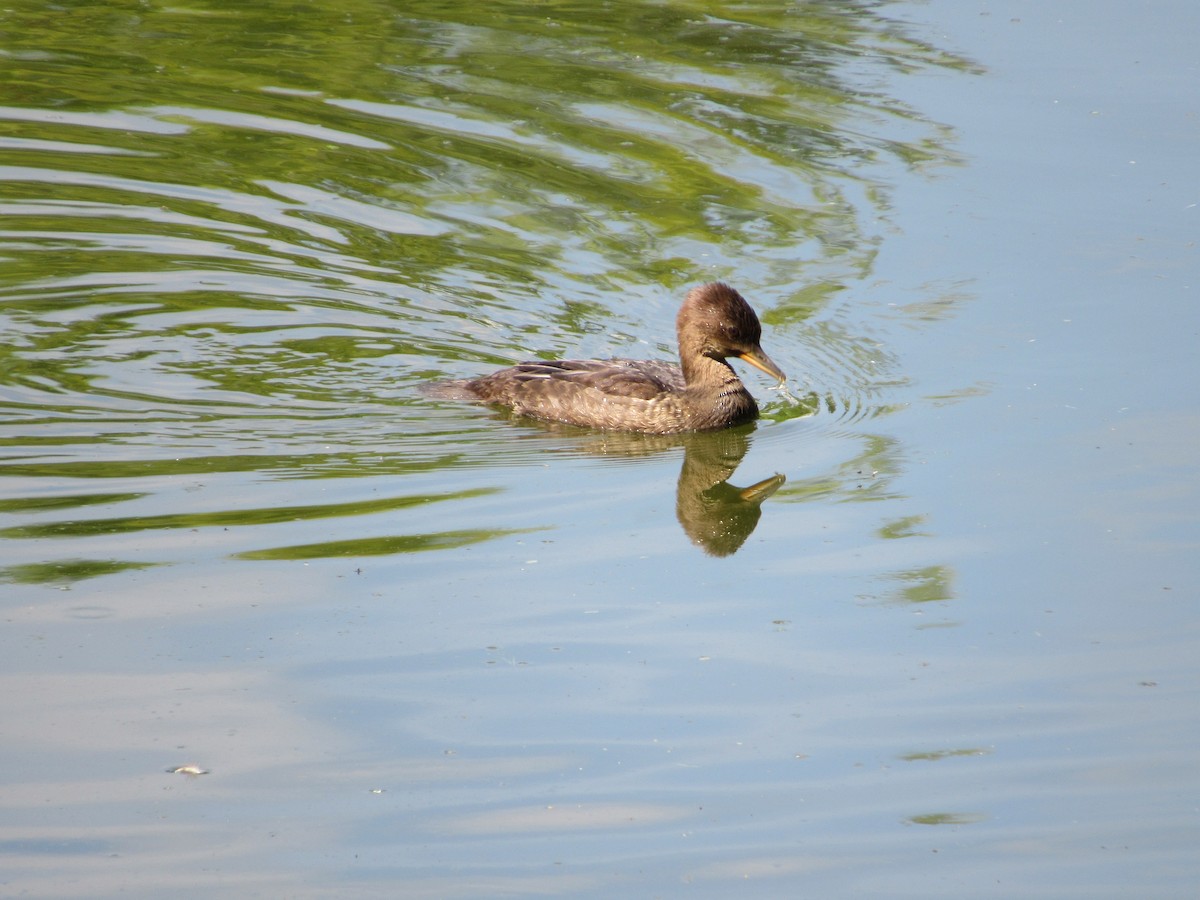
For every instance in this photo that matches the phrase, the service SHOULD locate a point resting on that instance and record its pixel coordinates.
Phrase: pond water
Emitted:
(277, 624)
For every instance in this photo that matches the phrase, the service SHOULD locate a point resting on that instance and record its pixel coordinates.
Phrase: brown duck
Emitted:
(701, 394)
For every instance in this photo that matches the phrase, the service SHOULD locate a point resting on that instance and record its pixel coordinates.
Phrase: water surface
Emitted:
(418, 648)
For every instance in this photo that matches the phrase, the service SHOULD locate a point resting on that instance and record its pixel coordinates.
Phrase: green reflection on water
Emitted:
(925, 585)
(315, 465)
(947, 818)
(236, 237)
(43, 504)
(67, 570)
(908, 526)
(241, 517)
(385, 546)
(466, 149)
(938, 755)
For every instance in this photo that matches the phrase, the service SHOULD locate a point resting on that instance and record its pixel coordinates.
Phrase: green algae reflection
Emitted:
(231, 518)
(66, 571)
(385, 546)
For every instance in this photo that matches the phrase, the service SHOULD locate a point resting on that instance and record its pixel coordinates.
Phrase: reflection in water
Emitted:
(948, 818)
(925, 585)
(717, 516)
(384, 546)
(66, 571)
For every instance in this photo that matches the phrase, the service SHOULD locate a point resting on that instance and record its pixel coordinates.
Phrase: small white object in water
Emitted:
(190, 769)
(782, 387)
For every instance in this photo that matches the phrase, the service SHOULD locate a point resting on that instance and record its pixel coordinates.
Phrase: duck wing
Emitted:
(610, 394)
(634, 379)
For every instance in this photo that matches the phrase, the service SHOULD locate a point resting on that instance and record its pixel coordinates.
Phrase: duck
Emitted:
(701, 393)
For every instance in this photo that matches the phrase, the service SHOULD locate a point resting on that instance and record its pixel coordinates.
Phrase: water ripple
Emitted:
(241, 271)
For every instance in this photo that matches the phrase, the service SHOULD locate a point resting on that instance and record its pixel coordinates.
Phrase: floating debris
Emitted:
(190, 769)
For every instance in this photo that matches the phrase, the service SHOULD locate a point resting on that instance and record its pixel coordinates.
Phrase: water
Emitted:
(420, 649)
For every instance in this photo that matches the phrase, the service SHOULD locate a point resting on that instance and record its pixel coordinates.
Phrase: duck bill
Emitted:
(760, 360)
(757, 493)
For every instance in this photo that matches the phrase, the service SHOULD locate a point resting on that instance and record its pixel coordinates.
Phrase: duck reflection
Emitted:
(717, 516)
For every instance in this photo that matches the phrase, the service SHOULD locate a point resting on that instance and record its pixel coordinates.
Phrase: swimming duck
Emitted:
(702, 393)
